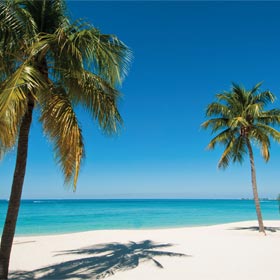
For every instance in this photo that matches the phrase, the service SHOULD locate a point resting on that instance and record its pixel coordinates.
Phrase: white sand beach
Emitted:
(228, 251)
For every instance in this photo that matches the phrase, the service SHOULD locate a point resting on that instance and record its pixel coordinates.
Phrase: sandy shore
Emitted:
(229, 251)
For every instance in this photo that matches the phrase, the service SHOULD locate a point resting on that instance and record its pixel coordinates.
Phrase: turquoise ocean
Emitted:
(64, 216)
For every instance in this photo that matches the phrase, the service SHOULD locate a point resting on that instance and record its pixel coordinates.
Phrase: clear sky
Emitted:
(184, 53)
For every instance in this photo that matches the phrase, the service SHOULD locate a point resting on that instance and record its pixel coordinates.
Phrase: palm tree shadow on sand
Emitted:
(254, 228)
(100, 261)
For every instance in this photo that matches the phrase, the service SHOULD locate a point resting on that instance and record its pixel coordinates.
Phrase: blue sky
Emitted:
(184, 53)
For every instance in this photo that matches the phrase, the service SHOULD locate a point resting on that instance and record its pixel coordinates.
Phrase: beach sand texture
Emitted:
(228, 251)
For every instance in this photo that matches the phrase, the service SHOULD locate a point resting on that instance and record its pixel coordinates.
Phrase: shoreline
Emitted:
(36, 200)
(224, 251)
(138, 229)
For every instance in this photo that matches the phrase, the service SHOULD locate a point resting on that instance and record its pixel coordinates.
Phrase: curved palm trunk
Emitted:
(15, 197)
(254, 186)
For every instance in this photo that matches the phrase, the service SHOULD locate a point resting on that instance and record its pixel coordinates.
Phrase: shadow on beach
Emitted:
(100, 261)
(254, 228)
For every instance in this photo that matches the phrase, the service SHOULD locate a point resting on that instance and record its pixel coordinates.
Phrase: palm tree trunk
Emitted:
(254, 186)
(15, 197)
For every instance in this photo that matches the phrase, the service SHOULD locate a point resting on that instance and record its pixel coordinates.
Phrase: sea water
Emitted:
(65, 216)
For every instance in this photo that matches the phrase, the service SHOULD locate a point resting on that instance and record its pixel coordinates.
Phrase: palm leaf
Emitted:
(267, 131)
(238, 121)
(24, 81)
(15, 93)
(61, 125)
(219, 109)
(264, 98)
(239, 149)
(8, 131)
(65, 54)
(260, 135)
(97, 96)
(271, 117)
(215, 124)
(255, 88)
(10, 26)
(222, 138)
(226, 156)
(110, 56)
(80, 42)
(46, 14)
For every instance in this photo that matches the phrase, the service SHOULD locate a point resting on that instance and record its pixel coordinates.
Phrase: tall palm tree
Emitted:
(49, 63)
(240, 119)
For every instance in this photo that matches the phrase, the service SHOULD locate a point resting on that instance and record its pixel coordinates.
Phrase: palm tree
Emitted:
(49, 63)
(240, 120)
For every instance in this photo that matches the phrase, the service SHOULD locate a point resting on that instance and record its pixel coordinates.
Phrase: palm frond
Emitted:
(222, 138)
(61, 125)
(14, 91)
(240, 95)
(271, 117)
(215, 124)
(264, 98)
(267, 131)
(29, 27)
(110, 56)
(46, 14)
(237, 122)
(10, 26)
(253, 110)
(63, 55)
(239, 149)
(97, 96)
(260, 135)
(74, 45)
(9, 123)
(265, 150)
(11, 30)
(225, 97)
(219, 109)
(255, 88)
(226, 156)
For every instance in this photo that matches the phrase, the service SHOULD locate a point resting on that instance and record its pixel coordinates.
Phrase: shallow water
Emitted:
(63, 216)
